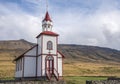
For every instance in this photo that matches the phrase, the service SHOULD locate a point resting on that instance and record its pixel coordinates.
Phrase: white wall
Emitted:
(60, 64)
(45, 40)
(42, 42)
(30, 67)
(39, 66)
(43, 65)
(39, 44)
(19, 73)
(32, 52)
(55, 62)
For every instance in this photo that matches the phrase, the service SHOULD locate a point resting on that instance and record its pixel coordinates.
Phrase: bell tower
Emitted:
(47, 23)
(47, 49)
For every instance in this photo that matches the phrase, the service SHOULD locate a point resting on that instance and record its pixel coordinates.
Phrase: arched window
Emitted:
(49, 45)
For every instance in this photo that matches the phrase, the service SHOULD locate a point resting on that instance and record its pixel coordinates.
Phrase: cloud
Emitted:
(16, 24)
(99, 28)
(16, 27)
(96, 24)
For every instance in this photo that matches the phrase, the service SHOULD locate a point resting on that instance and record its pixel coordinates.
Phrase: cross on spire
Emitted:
(46, 5)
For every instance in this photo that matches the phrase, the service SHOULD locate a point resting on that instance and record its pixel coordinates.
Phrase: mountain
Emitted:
(89, 53)
(10, 49)
(78, 58)
(14, 48)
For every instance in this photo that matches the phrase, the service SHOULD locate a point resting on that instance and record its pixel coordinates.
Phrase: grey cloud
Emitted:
(74, 27)
(15, 24)
(79, 28)
(112, 39)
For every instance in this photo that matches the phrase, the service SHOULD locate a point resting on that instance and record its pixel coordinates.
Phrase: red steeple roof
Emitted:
(47, 17)
(47, 33)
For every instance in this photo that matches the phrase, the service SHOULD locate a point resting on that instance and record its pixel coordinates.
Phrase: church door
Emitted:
(50, 64)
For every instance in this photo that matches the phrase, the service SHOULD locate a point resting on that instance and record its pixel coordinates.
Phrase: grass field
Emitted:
(71, 69)
(91, 69)
(6, 69)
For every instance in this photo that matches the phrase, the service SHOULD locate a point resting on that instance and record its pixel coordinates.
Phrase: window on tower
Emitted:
(49, 45)
(48, 26)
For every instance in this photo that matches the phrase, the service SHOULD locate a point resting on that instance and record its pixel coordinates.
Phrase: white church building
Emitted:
(42, 60)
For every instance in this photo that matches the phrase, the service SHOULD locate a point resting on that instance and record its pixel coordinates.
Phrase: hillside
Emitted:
(87, 60)
(10, 49)
(84, 53)
(89, 53)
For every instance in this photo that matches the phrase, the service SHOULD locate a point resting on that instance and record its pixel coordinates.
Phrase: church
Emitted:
(42, 61)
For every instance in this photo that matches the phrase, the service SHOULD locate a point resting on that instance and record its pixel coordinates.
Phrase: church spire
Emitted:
(47, 23)
(47, 17)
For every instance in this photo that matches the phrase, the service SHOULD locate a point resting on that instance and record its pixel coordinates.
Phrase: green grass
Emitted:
(81, 80)
(7, 78)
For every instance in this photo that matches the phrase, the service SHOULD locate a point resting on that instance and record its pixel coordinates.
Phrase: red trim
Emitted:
(49, 63)
(47, 33)
(24, 53)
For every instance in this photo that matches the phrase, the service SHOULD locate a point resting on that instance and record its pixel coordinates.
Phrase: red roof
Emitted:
(47, 33)
(47, 17)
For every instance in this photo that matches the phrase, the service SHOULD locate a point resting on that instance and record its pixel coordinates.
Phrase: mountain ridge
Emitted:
(71, 51)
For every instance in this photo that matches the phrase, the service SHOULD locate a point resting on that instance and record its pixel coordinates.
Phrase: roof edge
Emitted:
(61, 54)
(24, 53)
(44, 33)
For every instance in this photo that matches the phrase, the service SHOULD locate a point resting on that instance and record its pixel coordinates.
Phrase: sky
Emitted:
(82, 22)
